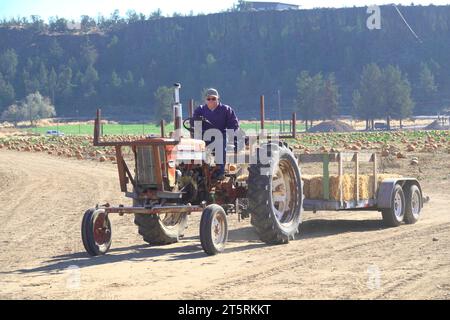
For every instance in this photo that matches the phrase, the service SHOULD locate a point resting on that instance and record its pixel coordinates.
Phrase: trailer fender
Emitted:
(386, 191)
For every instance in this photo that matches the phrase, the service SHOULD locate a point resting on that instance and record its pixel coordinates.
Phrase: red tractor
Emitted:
(173, 177)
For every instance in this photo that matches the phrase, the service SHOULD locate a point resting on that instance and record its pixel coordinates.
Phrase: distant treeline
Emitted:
(118, 63)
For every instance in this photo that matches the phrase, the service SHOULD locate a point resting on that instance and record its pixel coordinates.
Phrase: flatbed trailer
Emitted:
(398, 199)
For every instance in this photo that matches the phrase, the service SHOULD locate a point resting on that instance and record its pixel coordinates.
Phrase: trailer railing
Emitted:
(340, 158)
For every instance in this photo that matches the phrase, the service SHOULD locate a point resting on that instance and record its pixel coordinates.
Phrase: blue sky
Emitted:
(74, 9)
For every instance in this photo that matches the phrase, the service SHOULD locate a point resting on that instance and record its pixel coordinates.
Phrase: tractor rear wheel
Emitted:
(161, 229)
(275, 195)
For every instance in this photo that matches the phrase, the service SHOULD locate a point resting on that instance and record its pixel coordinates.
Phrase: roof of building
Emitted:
(271, 3)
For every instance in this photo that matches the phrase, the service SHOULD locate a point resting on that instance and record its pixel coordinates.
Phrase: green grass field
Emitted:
(138, 129)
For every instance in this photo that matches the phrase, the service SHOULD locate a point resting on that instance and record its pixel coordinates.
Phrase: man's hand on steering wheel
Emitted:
(191, 122)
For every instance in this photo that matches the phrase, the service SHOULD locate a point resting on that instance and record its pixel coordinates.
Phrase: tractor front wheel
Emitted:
(96, 232)
(213, 229)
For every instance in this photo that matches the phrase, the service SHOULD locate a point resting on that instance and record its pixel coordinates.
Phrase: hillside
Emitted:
(243, 54)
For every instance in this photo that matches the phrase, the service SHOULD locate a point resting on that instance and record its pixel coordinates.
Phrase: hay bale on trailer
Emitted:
(313, 186)
(307, 184)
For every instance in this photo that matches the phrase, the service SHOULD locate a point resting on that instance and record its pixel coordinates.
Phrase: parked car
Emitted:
(55, 133)
(380, 126)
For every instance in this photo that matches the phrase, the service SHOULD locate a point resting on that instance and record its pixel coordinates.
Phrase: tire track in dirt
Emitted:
(46, 200)
(61, 189)
(252, 277)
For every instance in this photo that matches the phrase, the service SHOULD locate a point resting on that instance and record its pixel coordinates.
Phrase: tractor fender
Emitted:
(386, 190)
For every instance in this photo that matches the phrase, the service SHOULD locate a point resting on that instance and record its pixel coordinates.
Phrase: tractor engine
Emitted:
(197, 186)
(192, 181)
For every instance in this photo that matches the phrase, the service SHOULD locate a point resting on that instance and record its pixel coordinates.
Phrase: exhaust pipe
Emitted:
(177, 112)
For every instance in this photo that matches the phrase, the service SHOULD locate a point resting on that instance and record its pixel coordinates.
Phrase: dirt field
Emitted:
(337, 256)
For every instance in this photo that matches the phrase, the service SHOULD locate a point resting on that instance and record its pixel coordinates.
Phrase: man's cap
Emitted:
(212, 92)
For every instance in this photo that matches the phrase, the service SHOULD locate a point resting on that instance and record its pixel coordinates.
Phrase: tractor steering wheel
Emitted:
(188, 120)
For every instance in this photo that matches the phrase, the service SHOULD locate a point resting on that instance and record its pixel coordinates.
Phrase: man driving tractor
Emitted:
(216, 115)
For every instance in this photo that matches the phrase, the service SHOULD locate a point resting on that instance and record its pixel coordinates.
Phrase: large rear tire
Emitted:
(275, 195)
(161, 229)
(395, 215)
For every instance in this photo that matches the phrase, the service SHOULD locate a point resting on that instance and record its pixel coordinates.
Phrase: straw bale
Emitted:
(313, 186)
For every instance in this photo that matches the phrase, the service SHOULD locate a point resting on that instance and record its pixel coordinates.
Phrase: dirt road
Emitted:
(337, 255)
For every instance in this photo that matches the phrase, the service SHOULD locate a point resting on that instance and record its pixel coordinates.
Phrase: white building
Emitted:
(263, 6)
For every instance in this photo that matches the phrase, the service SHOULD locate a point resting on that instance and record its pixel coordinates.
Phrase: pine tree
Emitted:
(89, 80)
(329, 98)
(398, 103)
(52, 84)
(43, 79)
(8, 64)
(116, 82)
(426, 90)
(163, 104)
(65, 85)
(7, 94)
(88, 54)
(368, 99)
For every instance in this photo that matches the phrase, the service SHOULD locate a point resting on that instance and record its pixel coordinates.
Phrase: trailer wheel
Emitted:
(213, 229)
(395, 215)
(161, 229)
(96, 232)
(413, 198)
(275, 195)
